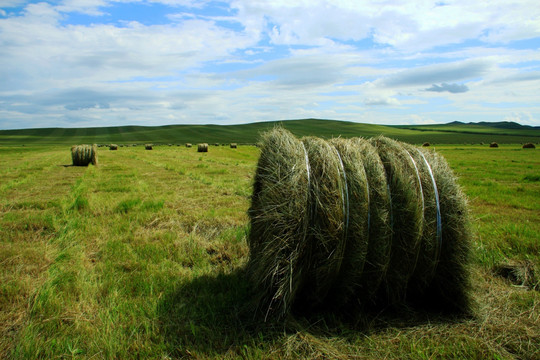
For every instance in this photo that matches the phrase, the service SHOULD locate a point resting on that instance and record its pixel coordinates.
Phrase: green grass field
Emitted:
(249, 133)
(142, 257)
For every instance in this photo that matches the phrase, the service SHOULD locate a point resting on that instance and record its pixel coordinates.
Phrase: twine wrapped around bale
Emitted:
(83, 155)
(202, 147)
(355, 222)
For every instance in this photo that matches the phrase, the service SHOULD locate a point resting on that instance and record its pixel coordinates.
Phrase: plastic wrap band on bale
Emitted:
(113, 147)
(355, 222)
(83, 155)
(202, 147)
(233, 146)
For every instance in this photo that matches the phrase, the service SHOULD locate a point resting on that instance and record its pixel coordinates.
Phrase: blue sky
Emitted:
(84, 63)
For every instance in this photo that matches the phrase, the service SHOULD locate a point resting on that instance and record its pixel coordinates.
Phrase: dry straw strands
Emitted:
(355, 222)
(202, 147)
(83, 155)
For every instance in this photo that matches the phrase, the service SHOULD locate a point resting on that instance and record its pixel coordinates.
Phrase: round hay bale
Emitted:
(216, 144)
(279, 216)
(426, 144)
(233, 146)
(148, 147)
(83, 155)
(113, 147)
(529, 146)
(493, 145)
(188, 145)
(355, 222)
(202, 147)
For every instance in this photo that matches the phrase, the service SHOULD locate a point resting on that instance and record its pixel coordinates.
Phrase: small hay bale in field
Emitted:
(113, 147)
(493, 145)
(188, 145)
(233, 146)
(216, 144)
(202, 147)
(529, 146)
(426, 144)
(83, 155)
(148, 146)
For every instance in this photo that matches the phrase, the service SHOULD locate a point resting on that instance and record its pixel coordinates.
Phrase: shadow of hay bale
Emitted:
(214, 316)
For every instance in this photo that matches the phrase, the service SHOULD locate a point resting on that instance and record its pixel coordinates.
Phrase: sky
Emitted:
(93, 63)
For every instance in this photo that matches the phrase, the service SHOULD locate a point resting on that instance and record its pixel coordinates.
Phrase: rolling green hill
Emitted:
(453, 133)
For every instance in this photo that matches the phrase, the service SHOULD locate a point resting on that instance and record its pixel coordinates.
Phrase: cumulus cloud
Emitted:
(451, 88)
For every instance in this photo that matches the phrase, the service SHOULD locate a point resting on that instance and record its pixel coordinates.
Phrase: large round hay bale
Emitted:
(188, 145)
(202, 147)
(529, 146)
(493, 145)
(234, 145)
(148, 146)
(349, 222)
(83, 155)
(113, 147)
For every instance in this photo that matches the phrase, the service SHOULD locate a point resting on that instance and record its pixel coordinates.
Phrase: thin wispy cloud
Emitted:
(151, 62)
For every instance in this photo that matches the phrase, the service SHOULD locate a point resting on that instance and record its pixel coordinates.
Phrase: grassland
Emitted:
(249, 133)
(143, 256)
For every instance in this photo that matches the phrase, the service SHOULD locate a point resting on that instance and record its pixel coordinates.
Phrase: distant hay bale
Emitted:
(493, 145)
(355, 222)
(216, 144)
(233, 146)
(529, 146)
(202, 147)
(148, 146)
(188, 145)
(426, 144)
(83, 155)
(113, 147)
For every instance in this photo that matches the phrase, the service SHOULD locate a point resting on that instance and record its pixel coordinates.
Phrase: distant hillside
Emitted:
(453, 133)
